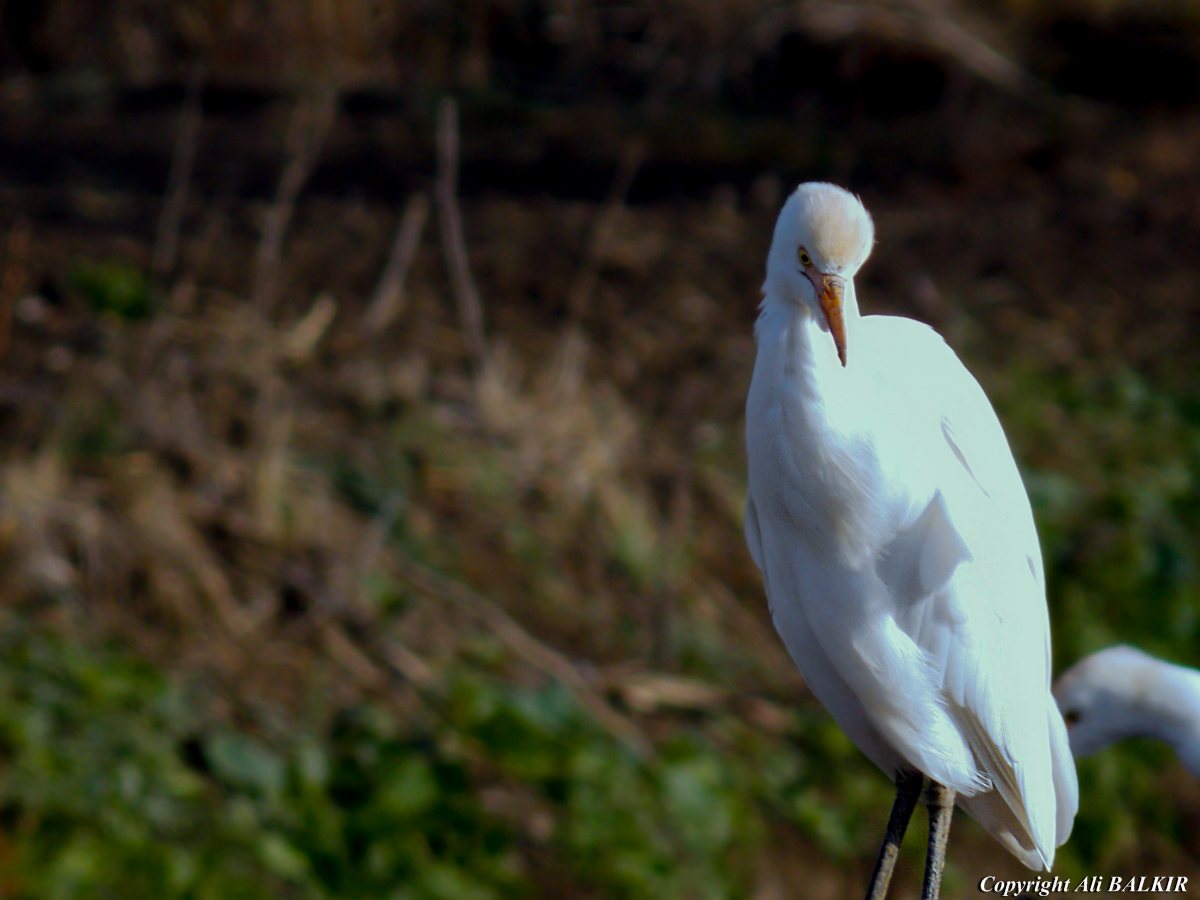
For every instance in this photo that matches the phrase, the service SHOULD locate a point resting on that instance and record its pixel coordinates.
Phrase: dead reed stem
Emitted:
(410, 666)
(350, 657)
(388, 301)
(913, 22)
(470, 309)
(311, 121)
(528, 648)
(300, 343)
(632, 158)
(183, 159)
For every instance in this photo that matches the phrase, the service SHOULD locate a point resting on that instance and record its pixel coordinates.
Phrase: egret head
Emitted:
(824, 234)
(1108, 696)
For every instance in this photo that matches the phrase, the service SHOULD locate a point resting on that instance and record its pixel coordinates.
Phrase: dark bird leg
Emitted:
(940, 801)
(908, 792)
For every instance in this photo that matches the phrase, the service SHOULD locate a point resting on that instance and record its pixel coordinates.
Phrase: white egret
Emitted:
(1122, 692)
(898, 548)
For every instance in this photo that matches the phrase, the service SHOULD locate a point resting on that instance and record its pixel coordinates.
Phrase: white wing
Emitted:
(967, 578)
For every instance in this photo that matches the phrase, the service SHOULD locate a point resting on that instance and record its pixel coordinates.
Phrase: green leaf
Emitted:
(114, 288)
(282, 858)
(312, 763)
(243, 762)
(409, 790)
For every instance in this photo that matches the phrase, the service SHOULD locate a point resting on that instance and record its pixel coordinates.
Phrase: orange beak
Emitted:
(830, 291)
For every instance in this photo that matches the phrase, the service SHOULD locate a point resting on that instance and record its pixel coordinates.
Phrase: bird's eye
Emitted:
(805, 259)
(1071, 716)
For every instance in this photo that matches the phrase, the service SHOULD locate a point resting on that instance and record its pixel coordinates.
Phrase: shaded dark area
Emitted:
(1139, 62)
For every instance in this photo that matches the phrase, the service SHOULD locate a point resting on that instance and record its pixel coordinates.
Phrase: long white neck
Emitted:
(1172, 713)
(1161, 701)
(793, 339)
(809, 416)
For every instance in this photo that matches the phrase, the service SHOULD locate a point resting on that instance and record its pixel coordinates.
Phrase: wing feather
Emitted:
(977, 606)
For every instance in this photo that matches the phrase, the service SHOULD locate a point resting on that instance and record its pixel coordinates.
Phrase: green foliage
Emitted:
(115, 785)
(676, 828)
(1117, 506)
(114, 288)
(1124, 800)
(112, 789)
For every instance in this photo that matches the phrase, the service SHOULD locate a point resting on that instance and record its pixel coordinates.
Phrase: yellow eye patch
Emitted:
(805, 259)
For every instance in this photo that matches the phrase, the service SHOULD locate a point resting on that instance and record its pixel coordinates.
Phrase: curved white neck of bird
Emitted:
(806, 327)
(1160, 701)
(796, 339)
(816, 416)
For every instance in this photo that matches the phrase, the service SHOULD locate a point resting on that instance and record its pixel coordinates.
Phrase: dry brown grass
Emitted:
(613, 433)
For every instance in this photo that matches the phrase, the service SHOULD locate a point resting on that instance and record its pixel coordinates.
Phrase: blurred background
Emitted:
(371, 394)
